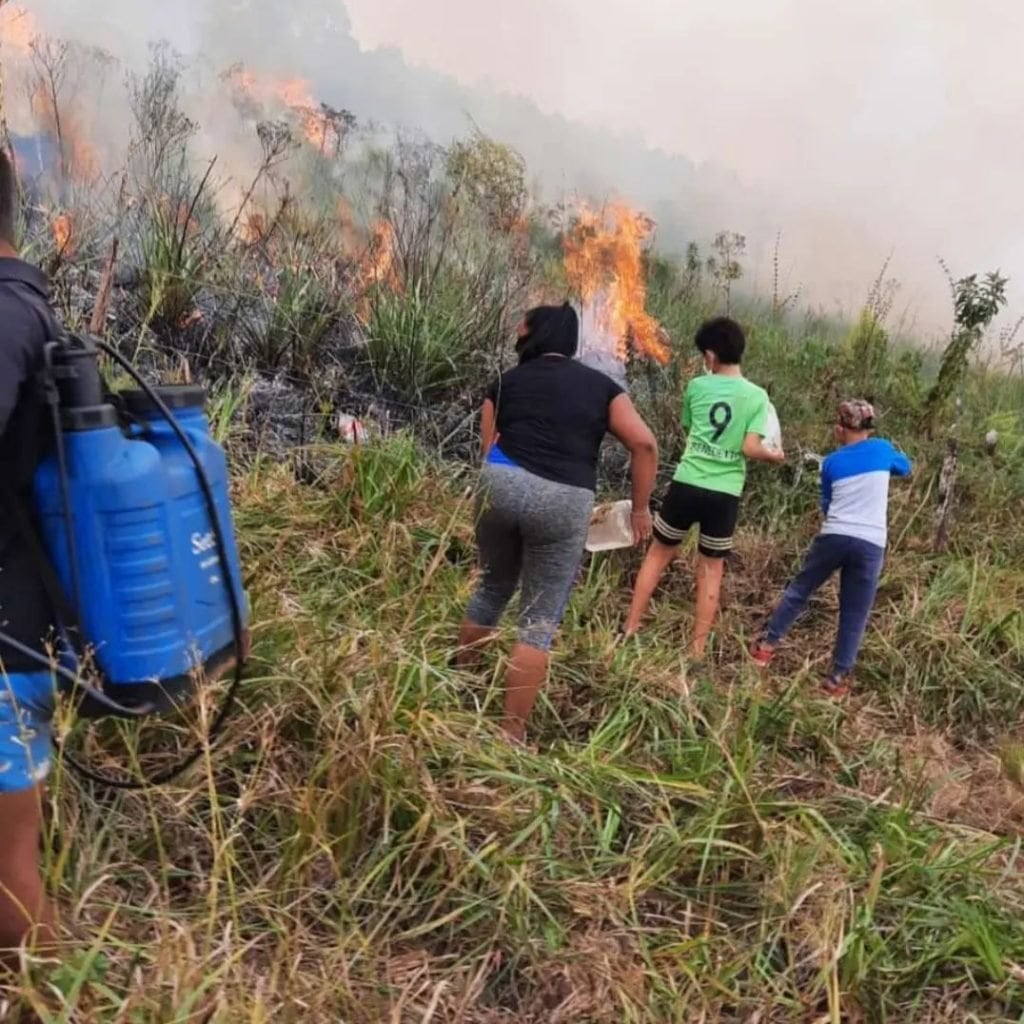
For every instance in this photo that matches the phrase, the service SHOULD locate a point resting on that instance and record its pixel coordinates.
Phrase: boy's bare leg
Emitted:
(709, 591)
(657, 560)
(25, 912)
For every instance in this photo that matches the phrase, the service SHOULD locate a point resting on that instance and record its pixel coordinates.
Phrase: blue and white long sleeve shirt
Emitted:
(855, 489)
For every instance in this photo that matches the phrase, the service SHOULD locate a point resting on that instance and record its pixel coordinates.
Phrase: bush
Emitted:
(295, 311)
(419, 346)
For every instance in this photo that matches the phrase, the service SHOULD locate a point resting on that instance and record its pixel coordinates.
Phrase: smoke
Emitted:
(858, 131)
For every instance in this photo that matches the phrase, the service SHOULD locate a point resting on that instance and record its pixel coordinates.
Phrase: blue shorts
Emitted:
(27, 703)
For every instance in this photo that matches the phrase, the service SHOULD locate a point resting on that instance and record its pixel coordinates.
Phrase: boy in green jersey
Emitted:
(725, 418)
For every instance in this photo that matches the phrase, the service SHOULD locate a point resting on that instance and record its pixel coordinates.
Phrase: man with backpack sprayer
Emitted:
(92, 506)
(27, 695)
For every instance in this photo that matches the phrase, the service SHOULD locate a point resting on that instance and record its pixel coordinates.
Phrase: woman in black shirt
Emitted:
(542, 425)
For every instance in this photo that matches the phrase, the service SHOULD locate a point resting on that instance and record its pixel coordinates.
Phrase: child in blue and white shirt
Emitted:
(854, 500)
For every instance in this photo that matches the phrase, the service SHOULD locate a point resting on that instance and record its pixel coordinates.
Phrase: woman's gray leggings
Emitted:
(530, 532)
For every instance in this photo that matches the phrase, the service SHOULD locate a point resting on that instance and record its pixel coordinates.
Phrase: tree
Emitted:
(724, 265)
(975, 305)
(493, 175)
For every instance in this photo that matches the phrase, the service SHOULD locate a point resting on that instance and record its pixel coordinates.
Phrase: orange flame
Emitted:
(377, 267)
(253, 227)
(19, 32)
(604, 265)
(64, 235)
(295, 95)
(79, 159)
(18, 28)
(351, 236)
(382, 250)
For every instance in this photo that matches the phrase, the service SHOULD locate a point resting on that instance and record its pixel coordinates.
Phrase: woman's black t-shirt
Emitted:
(552, 415)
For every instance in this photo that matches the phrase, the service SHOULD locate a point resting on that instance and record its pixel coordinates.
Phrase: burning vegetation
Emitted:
(376, 268)
(18, 29)
(320, 126)
(604, 264)
(63, 236)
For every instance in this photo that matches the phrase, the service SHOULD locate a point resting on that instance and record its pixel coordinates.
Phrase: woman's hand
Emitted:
(642, 525)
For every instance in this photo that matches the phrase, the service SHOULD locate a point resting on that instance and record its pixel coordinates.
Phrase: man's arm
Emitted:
(626, 424)
(755, 449)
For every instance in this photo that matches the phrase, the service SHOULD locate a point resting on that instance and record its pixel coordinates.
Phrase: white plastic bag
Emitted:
(773, 430)
(611, 527)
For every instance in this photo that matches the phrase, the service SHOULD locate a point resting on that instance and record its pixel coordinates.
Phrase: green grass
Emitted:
(686, 845)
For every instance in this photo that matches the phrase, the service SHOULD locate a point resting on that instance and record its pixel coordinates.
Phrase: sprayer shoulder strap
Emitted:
(47, 573)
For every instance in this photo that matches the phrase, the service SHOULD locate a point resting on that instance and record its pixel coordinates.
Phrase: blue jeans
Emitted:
(860, 566)
(26, 710)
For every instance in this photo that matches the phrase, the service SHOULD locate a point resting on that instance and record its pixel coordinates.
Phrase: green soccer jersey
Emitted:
(718, 413)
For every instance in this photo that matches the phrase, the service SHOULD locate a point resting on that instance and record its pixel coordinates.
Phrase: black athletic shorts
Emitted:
(685, 505)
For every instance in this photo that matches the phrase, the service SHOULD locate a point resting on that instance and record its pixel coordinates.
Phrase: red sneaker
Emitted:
(836, 686)
(762, 653)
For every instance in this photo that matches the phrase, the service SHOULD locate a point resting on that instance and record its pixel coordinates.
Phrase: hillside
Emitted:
(684, 842)
(314, 42)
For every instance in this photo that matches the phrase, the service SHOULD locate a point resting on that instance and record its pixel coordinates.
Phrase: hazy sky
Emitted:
(897, 115)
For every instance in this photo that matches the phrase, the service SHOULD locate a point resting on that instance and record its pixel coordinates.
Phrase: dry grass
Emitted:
(687, 845)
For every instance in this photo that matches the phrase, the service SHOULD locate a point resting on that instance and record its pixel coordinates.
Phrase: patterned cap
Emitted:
(856, 414)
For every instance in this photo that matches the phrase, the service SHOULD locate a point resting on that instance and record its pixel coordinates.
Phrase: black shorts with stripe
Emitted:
(716, 514)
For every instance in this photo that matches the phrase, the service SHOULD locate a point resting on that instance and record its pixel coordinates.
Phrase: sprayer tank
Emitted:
(154, 600)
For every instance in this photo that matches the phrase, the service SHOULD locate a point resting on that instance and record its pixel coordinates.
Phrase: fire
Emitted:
(253, 228)
(64, 235)
(380, 268)
(79, 159)
(20, 34)
(351, 235)
(604, 265)
(377, 267)
(293, 94)
(18, 28)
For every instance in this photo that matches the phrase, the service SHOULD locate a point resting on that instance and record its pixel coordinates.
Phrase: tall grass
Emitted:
(687, 844)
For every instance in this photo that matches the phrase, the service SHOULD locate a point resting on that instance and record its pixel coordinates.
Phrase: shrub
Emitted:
(419, 346)
(297, 307)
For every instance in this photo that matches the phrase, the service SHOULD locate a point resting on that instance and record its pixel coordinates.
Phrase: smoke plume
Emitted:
(858, 131)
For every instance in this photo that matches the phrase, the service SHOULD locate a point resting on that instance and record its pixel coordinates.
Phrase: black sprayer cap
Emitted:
(76, 372)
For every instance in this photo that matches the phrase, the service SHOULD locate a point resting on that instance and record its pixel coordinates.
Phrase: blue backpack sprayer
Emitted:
(133, 539)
